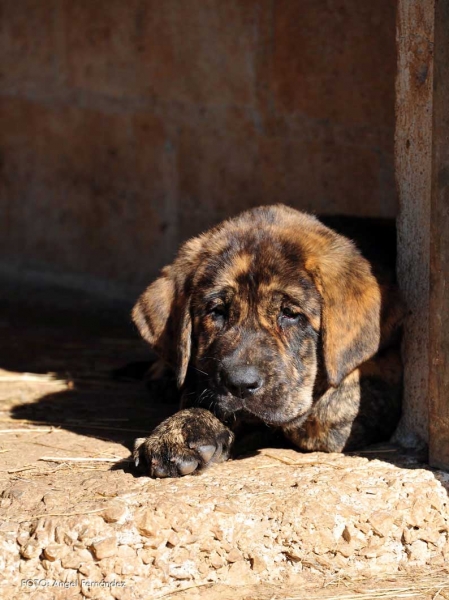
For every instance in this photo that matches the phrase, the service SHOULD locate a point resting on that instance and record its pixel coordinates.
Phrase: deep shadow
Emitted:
(85, 341)
(120, 415)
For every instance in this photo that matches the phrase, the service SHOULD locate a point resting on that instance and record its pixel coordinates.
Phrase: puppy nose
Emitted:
(242, 381)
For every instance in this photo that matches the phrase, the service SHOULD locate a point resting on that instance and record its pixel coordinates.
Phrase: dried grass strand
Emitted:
(26, 430)
(301, 463)
(183, 589)
(69, 424)
(80, 459)
(373, 594)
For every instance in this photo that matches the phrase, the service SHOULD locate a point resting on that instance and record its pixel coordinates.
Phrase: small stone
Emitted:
(107, 566)
(75, 559)
(180, 555)
(220, 574)
(22, 538)
(104, 548)
(122, 593)
(155, 542)
(374, 548)
(91, 530)
(240, 574)
(79, 546)
(435, 501)
(31, 550)
(382, 522)
(430, 535)
(216, 561)
(146, 524)
(218, 533)
(257, 563)
(347, 549)
(64, 536)
(234, 555)
(69, 575)
(411, 534)
(54, 551)
(91, 571)
(340, 561)
(419, 551)
(185, 571)
(190, 539)
(207, 545)
(114, 513)
(46, 563)
(44, 532)
(127, 566)
(419, 513)
(363, 527)
(125, 551)
(325, 541)
(179, 526)
(146, 556)
(173, 539)
(163, 567)
(203, 569)
(440, 523)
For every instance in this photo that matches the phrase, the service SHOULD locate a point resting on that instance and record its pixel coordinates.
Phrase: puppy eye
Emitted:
(289, 314)
(218, 311)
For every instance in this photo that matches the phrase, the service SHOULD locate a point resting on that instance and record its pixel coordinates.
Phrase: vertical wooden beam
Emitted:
(413, 163)
(439, 247)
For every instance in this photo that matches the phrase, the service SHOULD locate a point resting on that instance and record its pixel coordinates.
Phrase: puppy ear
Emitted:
(152, 311)
(351, 309)
(162, 313)
(162, 317)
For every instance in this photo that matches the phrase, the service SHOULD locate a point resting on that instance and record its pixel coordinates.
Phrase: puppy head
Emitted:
(252, 304)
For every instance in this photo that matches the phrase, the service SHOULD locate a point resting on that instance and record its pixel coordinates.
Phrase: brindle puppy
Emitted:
(271, 317)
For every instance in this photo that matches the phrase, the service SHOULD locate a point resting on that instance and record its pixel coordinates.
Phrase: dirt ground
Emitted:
(77, 521)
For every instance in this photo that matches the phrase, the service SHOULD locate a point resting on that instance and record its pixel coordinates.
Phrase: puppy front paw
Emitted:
(184, 444)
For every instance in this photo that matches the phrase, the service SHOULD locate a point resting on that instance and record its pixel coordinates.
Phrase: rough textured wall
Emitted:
(128, 126)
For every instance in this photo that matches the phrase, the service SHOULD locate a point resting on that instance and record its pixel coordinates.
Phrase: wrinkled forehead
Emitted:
(257, 267)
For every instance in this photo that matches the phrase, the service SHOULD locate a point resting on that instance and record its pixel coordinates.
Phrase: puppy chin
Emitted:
(291, 414)
(279, 420)
(228, 404)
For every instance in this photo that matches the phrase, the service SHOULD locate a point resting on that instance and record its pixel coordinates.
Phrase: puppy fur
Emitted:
(271, 318)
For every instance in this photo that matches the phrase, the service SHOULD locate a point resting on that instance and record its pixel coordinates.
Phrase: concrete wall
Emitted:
(126, 127)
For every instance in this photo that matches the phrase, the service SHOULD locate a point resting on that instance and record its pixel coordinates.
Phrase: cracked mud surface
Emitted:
(276, 523)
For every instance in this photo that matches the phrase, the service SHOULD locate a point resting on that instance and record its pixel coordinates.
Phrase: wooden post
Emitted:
(413, 163)
(422, 173)
(439, 247)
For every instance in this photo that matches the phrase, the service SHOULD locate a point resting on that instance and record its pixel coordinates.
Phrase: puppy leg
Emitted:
(186, 443)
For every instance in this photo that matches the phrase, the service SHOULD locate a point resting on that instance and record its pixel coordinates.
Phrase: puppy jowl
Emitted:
(273, 319)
